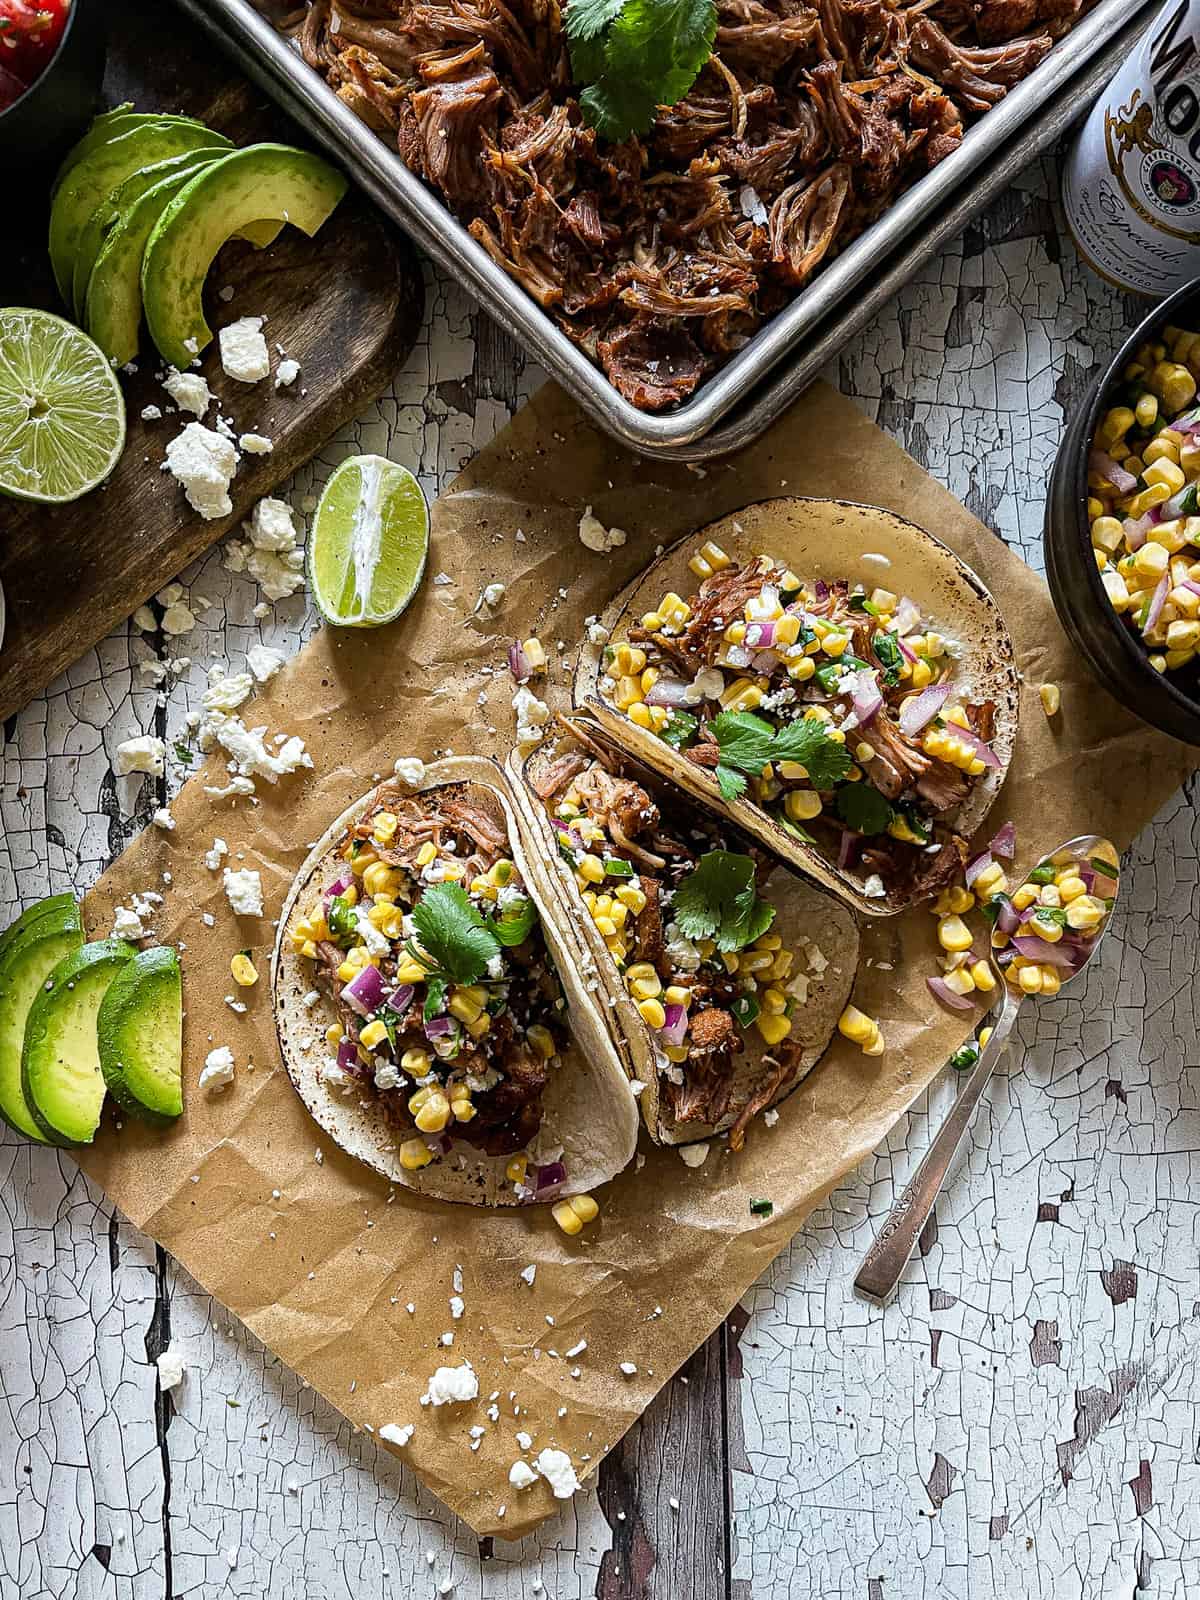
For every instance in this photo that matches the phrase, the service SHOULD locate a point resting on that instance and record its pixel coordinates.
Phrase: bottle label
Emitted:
(1131, 186)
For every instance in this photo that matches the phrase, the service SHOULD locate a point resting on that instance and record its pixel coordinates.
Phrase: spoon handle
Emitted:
(885, 1260)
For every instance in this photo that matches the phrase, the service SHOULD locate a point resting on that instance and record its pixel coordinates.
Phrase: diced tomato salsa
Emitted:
(30, 31)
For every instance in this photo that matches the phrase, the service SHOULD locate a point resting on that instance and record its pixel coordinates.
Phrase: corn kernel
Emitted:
(360, 863)
(1085, 913)
(584, 1207)
(1165, 471)
(1051, 697)
(700, 567)
(627, 693)
(542, 1040)
(742, 695)
(1051, 982)
(652, 622)
(992, 880)
(372, 1034)
(427, 853)
(564, 1214)
(415, 1154)
(953, 934)
(774, 1002)
(381, 879)
(591, 868)
(415, 1062)
(960, 981)
(385, 825)
(516, 1169)
(639, 715)
(983, 976)
(646, 988)
(1025, 896)
(781, 968)
(628, 661)
(652, 1013)
(245, 973)
(633, 898)
(674, 611)
(676, 1052)
(433, 1116)
(334, 1033)
(856, 1026)
(835, 644)
(714, 555)
(803, 669)
(802, 805)
(409, 971)
(1046, 927)
(1030, 979)
(464, 1005)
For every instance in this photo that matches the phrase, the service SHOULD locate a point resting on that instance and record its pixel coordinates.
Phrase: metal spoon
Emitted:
(885, 1260)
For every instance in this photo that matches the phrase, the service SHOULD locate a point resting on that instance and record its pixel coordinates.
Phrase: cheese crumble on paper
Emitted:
(217, 1072)
(452, 1386)
(243, 890)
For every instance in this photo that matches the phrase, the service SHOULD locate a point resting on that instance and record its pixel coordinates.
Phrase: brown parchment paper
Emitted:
(323, 1275)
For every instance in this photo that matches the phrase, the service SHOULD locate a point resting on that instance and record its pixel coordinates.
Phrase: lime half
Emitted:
(369, 541)
(62, 417)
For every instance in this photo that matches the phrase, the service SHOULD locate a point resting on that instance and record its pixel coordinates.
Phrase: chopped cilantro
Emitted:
(342, 918)
(762, 1208)
(453, 933)
(183, 755)
(679, 729)
(863, 808)
(1054, 914)
(617, 867)
(636, 55)
(515, 922)
(718, 901)
(966, 1057)
(435, 998)
(748, 743)
(1042, 875)
(891, 657)
(745, 1008)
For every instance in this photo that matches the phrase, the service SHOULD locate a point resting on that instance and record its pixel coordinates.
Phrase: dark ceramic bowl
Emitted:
(37, 130)
(1116, 656)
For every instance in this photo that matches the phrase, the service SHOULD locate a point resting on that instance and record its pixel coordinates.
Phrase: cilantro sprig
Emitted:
(718, 901)
(748, 742)
(453, 934)
(636, 55)
(863, 808)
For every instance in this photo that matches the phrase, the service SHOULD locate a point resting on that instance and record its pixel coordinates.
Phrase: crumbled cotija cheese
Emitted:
(256, 444)
(555, 1466)
(226, 691)
(410, 770)
(171, 1367)
(286, 372)
(212, 858)
(244, 350)
(452, 1386)
(243, 890)
(532, 716)
(249, 756)
(263, 662)
(595, 536)
(127, 924)
(163, 819)
(204, 463)
(189, 391)
(143, 754)
(271, 553)
(218, 1068)
(394, 1435)
(521, 1475)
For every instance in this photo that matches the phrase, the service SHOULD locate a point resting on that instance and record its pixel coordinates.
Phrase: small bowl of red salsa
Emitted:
(51, 64)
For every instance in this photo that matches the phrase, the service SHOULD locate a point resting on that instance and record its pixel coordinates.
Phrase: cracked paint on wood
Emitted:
(1020, 1420)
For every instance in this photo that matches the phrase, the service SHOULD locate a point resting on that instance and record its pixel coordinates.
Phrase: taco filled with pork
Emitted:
(429, 1006)
(829, 677)
(727, 972)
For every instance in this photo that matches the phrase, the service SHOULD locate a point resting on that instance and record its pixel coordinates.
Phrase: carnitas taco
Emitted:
(727, 972)
(831, 678)
(429, 1005)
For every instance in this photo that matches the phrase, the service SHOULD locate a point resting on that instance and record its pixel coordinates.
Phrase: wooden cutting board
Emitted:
(346, 305)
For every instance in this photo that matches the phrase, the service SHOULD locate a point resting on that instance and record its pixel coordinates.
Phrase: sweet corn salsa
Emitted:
(838, 710)
(688, 917)
(427, 945)
(1144, 499)
(1044, 931)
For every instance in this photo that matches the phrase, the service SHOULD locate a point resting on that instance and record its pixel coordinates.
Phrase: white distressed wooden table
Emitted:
(1021, 1421)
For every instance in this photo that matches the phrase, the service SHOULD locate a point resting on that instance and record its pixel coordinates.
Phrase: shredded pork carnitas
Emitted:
(661, 255)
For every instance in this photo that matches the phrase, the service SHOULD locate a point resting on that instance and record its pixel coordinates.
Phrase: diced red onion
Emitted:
(364, 992)
(550, 1180)
(847, 848)
(909, 654)
(908, 614)
(400, 999)
(1087, 877)
(673, 1030)
(1105, 467)
(980, 864)
(437, 1026)
(668, 692)
(982, 749)
(821, 589)
(760, 635)
(1035, 949)
(921, 708)
(1008, 918)
(347, 1055)
(1156, 605)
(1172, 508)
(339, 886)
(942, 991)
(1136, 529)
(518, 662)
(763, 661)
(1004, 843)
(1188, 584)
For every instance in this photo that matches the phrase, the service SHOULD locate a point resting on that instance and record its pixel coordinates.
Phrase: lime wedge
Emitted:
(369, 541)
(62, 417)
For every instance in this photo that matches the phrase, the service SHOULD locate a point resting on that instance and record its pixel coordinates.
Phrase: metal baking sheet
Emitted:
(275, 63)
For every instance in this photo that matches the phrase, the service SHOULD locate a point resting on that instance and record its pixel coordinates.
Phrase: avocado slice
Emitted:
(108, 126)
(264, 181)
(29, 952)
(140, 1033)
(115, 204)
(60, 1062)
(93, 178)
